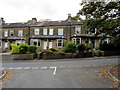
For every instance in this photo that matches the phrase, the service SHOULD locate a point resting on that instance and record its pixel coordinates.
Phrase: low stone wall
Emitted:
(110, 53)
(53, 56)
(23, 56)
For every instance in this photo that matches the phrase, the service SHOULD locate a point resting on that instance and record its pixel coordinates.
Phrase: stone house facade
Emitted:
(45, 35)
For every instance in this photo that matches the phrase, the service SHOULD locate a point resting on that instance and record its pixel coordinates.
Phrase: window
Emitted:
(20, 33)
(11, 33)
(59, 43)
(44, 31)
(78, 41)
(60, 31)
(36, 31)
(37, 43)
(6, 45)
(0, 44)
(77, 30)
(6, 33)
(51, 31)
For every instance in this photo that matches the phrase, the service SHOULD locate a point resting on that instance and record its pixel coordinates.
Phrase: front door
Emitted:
(45, 45)
(93, 43)
(50, 44)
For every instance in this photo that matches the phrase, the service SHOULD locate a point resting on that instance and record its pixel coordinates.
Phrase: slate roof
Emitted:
(41, 24)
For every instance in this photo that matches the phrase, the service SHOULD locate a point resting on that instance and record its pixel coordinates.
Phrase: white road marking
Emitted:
(11, 68)
(55, 70)
(62, 66)
(26, 68)
(95, 65)
(35, 67)
(43, 67)
(87, 65)
(18, 67)
(70, 66)
(78, 66)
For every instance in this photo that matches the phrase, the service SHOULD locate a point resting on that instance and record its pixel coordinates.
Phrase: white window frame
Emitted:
(36, 31)
(6, 33)
(51, 30)
(37, 40)
(6, 45)
(61, 43)
(20, 33)
(60, 31)
(11, 32)
(77, 30)
(45, 31)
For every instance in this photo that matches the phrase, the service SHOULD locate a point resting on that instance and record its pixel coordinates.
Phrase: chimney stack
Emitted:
(2, 21)
(69, 17)
(34, 20)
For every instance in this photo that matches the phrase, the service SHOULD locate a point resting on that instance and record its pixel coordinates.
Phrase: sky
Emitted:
(24, 10)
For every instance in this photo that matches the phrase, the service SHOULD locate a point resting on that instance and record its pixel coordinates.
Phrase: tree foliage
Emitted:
(102, 16)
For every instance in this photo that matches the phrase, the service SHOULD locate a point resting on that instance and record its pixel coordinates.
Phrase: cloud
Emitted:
(22, 10)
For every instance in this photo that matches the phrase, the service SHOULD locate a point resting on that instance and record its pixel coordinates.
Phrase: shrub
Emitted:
(15, 49)
(53, 49)
(23, 48)
(32, 49)
(48, 52)
(88, 46)
(81, 47)
(69, 47)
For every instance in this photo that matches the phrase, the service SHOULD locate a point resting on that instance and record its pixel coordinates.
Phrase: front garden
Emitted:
(70, 50)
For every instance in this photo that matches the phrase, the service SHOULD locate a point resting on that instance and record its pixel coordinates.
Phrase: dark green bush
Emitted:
(23, 48)
(32, 49)
(88, 46)
(69, 47)
(81, 47)
(53, 49)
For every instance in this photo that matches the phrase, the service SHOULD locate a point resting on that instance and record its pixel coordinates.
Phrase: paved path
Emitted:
(79, 73)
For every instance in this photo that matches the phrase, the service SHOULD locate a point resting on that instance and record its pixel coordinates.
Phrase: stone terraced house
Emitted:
(45, 34)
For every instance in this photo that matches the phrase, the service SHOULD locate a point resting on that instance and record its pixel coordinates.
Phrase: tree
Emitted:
(102, 17)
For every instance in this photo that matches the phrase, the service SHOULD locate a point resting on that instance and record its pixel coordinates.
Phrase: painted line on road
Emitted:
(43, 68)
(18, 68)
(62, 66)
(94, 65)
(26, 68)
(55, 70)
(87, 65)
(35, 67)
(11, 68)
(70, 66)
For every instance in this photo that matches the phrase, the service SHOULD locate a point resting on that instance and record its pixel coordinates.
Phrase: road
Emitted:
(67, 73)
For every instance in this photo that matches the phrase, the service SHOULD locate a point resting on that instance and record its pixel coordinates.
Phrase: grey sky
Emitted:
(23, 10)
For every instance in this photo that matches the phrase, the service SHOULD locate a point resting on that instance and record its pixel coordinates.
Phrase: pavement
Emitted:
(73, 73)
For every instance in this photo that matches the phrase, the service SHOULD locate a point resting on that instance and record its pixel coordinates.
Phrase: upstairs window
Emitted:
(60, 31)
(20, 33)
(51, 31)
(45, 31)
(77, 30)
(36, 31)
(12, 33)
(6, 33)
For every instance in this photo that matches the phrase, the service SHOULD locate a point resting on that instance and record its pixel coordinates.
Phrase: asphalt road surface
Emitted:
(72, 73)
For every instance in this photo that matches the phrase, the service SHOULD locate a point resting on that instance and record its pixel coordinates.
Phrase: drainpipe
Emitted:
(28, 35)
